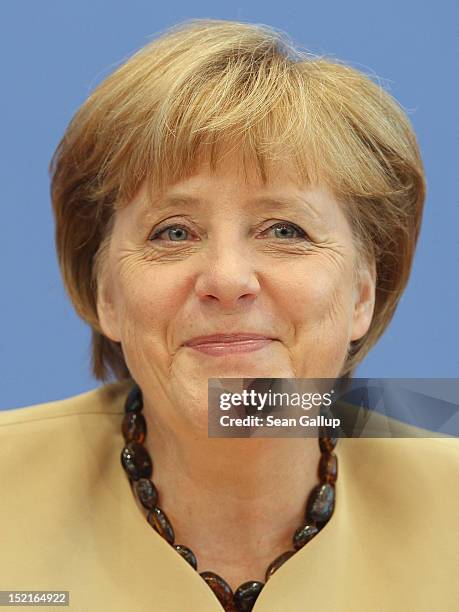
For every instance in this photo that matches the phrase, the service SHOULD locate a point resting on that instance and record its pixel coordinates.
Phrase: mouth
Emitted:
(226, 344)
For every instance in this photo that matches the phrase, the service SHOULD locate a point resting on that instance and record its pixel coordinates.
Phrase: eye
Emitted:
(175, 233)
(287, 231)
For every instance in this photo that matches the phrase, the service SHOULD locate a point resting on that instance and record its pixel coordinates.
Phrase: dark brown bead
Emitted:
(327, 444)
(134, 400)
(321, 503)
(136, 461)
(159, 521)
(328, 468)
(303, 535)
(221, 589)
(278, 561)
(246, 595)
(187, 554)
(134, 427)
(147, 493)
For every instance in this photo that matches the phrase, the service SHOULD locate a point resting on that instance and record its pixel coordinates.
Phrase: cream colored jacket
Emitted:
(69, 521)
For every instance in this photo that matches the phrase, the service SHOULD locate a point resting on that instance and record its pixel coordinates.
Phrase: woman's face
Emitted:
(216, 254)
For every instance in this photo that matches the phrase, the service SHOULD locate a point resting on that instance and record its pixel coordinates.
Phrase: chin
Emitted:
(246, 365)
(239, 369)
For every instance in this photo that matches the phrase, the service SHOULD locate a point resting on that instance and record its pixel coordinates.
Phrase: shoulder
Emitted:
(53, 438)
(433, 460)
(51, 450)
(67, 512)
(108, 399)
(398, 504)
(408, 484)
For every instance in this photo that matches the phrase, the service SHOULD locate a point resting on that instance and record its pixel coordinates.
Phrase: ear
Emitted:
(364, 300)
(106, 307)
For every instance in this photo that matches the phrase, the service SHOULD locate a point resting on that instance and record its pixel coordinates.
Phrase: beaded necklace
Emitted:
(138, 466)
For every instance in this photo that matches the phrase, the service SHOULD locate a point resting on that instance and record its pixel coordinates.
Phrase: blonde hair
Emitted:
(205, 82)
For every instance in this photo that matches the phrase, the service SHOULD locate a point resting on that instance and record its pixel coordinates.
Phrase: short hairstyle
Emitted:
(204, 82)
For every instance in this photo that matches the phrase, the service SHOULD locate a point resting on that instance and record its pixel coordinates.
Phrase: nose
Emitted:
(228, 278)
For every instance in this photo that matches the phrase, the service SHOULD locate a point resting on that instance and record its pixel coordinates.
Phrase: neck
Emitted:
(235, 502)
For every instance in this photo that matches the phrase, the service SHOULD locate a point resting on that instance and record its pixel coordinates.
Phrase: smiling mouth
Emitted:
(230, 345)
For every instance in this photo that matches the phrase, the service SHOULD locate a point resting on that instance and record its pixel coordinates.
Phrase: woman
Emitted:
(228, 207)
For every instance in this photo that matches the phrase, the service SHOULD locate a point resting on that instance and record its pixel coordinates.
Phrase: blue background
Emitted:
(54, 52)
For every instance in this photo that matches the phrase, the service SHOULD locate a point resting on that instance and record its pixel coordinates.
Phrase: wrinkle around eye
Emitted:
(296, 246)
(336, 253)
(127, 260)
(176, 252)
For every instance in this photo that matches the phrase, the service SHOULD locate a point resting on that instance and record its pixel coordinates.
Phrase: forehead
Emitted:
(275, 184)
(226, 161)
(247, 167)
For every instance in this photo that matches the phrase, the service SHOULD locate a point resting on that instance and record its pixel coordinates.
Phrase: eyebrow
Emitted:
(270, 203)
(293, 204)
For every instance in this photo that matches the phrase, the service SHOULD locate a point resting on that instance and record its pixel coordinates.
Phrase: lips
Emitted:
(226, 338)
(219, 345)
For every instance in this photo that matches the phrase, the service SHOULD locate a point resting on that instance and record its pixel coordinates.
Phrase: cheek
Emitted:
(316, 295)
(149, 300)
(318, 303)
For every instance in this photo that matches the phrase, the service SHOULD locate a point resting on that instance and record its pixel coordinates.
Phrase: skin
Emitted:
(234, 269)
